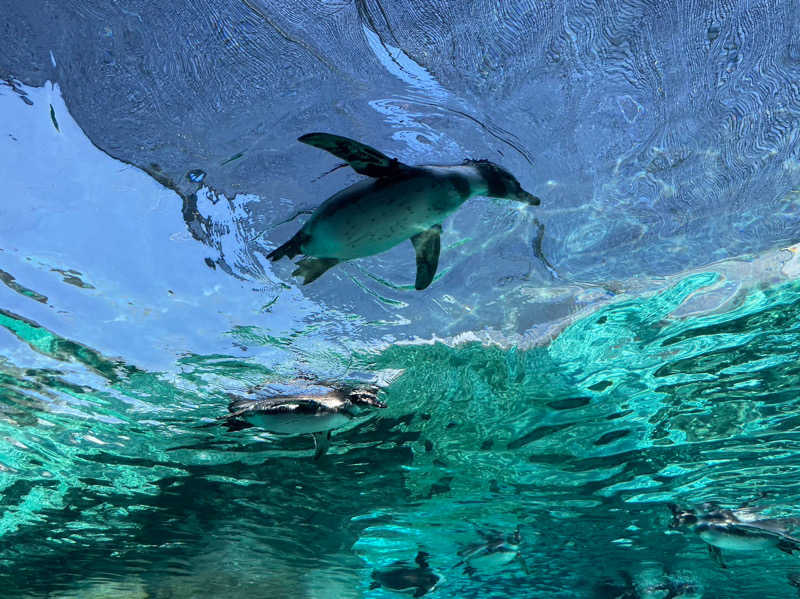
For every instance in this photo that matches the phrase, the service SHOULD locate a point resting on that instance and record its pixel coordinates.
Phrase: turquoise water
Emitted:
(580, 442)
(573, 368)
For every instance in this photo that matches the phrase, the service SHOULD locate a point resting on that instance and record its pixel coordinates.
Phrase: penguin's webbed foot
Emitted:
(312, 268)
(788, 547)
(234, 424)
(716, 555)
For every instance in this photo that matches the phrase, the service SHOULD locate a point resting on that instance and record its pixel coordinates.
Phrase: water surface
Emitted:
(573, 368)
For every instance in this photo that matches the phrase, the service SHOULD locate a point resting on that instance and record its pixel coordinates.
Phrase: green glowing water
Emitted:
(109, 488)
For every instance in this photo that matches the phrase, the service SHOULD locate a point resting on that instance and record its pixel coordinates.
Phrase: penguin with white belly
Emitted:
(736, 530)
(396, 203)
(304, 413)
(414, 580)
(493, 555)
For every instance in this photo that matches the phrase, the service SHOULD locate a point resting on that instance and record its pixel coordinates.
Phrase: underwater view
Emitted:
(350, 298)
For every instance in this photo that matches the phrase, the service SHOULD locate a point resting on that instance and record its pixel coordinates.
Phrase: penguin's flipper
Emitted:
(322, 441)
(362, 158)
(234, 424)
(312, 268)
(374, 585)
(469, 570)
(716, 555)
(427, 245)
(239, 405)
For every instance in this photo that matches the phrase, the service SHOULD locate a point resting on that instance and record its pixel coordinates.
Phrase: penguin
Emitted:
(736, 530)
(396, 203)
(304, 413)
(496, 553)
(794, 580)
(403, 578)
(608, 588)
(669, 588)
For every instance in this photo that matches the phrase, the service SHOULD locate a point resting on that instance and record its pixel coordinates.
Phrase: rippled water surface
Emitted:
(573, 368)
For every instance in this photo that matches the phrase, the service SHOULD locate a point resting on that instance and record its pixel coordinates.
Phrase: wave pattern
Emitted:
(661, 137)
(583, 384)
(109, 484)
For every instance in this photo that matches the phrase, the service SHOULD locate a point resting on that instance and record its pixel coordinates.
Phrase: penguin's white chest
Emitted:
(297, 424)
(372, 217)
(492, 561)
(735, 542)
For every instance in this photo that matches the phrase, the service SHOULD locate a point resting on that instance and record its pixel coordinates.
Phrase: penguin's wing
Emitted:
(362, 158)
(469, 552)
(275, 405)
(239, 405)
(427, 246)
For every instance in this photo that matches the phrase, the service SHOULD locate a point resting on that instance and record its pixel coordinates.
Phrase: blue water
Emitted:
(573, 368)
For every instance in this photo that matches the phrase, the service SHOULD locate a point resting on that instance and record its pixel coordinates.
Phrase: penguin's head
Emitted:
(681, 516)
(501, 183)
(365, 397)
(422, 559)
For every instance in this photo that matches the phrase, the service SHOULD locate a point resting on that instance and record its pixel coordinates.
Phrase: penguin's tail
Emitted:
(289, 249)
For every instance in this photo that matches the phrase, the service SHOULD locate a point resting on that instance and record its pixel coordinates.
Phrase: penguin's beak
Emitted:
(528, 198)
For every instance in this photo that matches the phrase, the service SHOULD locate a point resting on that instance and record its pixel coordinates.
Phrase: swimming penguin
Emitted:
(303, 413)
(669, 588)
(794, 580)
(609, 588)
(396, 203)
(736, 530)
(403, 578)
(496, 553)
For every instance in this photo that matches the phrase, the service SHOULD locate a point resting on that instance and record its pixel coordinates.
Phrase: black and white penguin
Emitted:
(668, 588)
(396, 203)
(736, 530)
(794, 580)
(301, 414)
(495, 554)
(404, 578)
